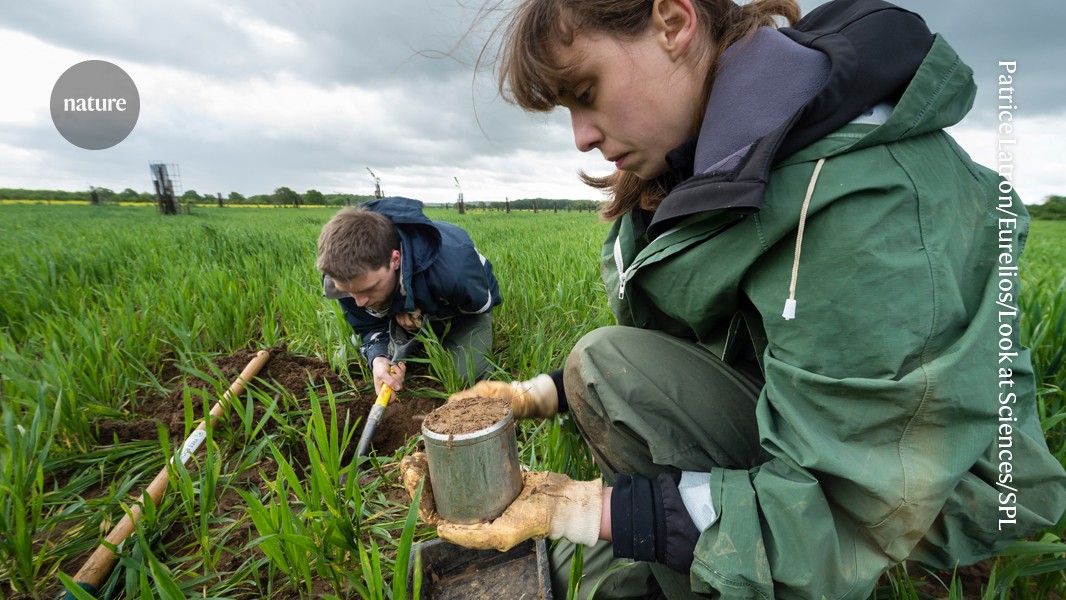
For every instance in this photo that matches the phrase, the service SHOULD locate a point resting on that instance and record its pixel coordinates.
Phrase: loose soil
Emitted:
(299, 376)
(467, 415)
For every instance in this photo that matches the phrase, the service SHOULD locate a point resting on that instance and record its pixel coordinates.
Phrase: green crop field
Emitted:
(101, 307)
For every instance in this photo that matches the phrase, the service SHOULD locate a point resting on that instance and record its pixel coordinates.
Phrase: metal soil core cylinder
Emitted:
(475, 475)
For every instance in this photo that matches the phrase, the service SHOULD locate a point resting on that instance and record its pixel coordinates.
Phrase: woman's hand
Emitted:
(533, 399)
(550, 505)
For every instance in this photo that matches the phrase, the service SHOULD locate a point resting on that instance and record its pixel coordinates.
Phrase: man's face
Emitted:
(375, 288)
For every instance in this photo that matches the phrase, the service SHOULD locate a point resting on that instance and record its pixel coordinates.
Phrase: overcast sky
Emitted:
(249, 96)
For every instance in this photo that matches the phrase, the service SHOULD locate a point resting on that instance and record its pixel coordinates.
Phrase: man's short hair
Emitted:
(354, 241)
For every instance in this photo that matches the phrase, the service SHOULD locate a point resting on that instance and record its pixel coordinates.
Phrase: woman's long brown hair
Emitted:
(528, 76)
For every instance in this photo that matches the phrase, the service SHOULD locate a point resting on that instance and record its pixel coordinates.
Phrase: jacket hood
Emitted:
(400, 210)
(939, 96)
(874, 51)
(420, 240)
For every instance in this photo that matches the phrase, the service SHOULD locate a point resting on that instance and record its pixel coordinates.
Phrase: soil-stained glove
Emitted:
(550, 505)
(413, 470)
(536, 398)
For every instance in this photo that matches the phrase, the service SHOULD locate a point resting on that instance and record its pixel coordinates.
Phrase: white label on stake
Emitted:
(192, 444)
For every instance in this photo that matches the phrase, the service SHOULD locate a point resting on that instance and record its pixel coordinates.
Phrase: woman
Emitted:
(804, 386)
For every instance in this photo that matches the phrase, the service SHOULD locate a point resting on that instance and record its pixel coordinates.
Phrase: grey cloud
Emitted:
(418, 54)
(364, 43)
(183, 35)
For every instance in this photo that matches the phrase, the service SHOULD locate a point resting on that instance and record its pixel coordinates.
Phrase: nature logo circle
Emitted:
(95, 105)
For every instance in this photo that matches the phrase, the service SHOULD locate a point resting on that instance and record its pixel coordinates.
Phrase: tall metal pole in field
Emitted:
(377, 185)
(462, 209)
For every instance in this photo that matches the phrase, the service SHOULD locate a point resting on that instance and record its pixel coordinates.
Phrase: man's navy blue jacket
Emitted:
(441, 273)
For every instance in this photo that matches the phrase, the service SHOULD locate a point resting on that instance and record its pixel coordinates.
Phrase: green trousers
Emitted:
(469, 340)
(648, 403)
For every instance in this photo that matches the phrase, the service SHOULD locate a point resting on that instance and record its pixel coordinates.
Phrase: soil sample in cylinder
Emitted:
(467, 415)
(473, 458)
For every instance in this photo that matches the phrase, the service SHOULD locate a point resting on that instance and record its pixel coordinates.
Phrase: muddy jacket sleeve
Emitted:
(374, 332)
(649, 521)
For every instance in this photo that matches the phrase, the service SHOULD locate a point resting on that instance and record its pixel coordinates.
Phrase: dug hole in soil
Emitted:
(298, 376)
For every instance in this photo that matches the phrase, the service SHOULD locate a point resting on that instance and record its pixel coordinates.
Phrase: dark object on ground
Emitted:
(451, 572)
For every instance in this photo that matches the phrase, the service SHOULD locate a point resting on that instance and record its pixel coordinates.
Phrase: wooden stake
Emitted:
(95, 570)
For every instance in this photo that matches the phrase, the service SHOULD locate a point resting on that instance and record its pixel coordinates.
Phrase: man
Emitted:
(392, 269)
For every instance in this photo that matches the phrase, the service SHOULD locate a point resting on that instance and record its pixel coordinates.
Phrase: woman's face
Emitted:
(633, 100)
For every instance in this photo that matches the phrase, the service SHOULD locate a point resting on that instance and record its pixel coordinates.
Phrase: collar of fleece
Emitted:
(782, 90)
(762, 82)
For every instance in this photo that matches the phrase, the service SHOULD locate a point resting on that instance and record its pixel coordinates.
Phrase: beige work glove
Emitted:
(532, 399)
(414, 469)
(550, 505)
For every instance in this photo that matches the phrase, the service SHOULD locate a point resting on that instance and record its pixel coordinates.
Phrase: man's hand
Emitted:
(387, 373)
(550, 505)
(411, 321)
(533, 399)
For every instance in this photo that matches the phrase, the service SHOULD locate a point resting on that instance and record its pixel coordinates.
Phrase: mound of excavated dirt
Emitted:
(298, 375)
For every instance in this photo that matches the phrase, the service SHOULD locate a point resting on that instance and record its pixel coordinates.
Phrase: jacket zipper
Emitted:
(623, 274)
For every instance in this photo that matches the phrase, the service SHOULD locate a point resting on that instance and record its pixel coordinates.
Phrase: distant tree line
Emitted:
(535, 205)
(43, 195)
(284, 196)
(1053, 209)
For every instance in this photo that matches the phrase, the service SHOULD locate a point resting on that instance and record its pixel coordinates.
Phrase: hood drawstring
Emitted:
(790, 304)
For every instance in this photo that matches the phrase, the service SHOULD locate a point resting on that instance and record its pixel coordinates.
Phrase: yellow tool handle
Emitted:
(384, 396)
(376, 412)
(386, 392)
